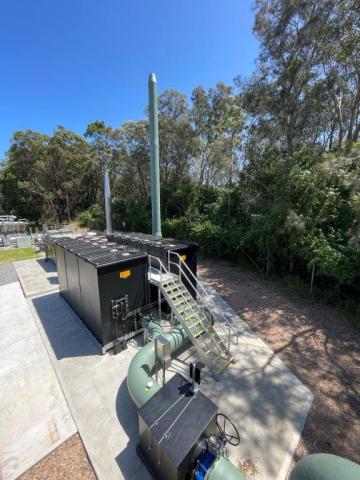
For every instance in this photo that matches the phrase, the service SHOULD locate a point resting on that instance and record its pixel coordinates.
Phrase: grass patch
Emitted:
(13, 255)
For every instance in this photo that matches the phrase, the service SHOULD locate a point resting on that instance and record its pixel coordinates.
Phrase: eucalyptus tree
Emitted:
(177, 138)
(48, 177)
(218, 123)
(307, 86)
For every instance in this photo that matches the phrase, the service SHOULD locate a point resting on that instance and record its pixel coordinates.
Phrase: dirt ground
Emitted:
(67, 462)
(317, 343)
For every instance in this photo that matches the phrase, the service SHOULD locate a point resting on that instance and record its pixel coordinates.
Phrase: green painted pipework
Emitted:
(142, 387)
(140, 383)
(223, 469)
(323, 466)
(154, 156)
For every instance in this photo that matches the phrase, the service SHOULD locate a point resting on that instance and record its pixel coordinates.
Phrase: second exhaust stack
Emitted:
(107, 198)
(154, 156)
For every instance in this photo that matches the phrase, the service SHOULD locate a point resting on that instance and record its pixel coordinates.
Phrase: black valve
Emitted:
(223, 423)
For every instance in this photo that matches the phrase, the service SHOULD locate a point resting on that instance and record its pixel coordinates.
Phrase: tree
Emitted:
(48, 177)
(218, 123)
(309, 61)
(177, 137)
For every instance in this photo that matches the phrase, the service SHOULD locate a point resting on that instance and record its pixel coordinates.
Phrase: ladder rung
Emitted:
(177, 294)
(177, 304)
(184, 309)
(217, 358)
(171, 283)
(188, 318)
(206, 339)
(174, 289)
(199, 333)
(194, 324)
(225, 365)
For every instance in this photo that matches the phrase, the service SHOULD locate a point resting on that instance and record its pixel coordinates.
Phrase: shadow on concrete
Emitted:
(46, 265)
(128, 460)
(67, 335)
(53, 280)
(321, 346)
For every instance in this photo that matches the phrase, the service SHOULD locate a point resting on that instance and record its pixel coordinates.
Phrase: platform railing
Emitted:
(202, 294)
(175, 281)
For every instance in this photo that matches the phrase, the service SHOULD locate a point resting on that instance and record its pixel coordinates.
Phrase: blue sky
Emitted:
(71, 62)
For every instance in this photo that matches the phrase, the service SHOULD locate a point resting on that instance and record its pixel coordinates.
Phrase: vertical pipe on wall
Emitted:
(107, 196)
(154, 156)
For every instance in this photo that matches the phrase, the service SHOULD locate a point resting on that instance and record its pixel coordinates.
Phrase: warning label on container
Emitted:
(183, 257)
(125, 274)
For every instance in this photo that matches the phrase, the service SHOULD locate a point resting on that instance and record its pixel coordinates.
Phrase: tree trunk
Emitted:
(312, 279)
(67, 208)
(338, 109)
(353, 116)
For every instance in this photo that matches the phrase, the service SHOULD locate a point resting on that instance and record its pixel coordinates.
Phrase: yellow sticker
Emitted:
(183, 257)
(125, 274)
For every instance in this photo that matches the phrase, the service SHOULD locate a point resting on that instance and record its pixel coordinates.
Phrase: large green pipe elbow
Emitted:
(142, 387)
(323, 466)
(140, 383)
(224, 469)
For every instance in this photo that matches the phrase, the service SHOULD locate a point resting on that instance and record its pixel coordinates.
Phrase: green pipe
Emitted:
(154, 156)
(323, 466)
(140, 383)
(142, 387)
(223, 469)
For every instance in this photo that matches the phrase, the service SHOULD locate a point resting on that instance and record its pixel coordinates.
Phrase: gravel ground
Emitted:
(318, 344)
(7, 274)
(67, 462)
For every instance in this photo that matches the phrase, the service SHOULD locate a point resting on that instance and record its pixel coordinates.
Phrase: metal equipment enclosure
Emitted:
(159, 247)
(172, 426)
(105, 284)
(164, 249)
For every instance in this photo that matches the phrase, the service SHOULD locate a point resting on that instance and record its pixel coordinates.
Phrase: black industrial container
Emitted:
(171, 435)
(106, 285)
(163, 248)
(61, 270)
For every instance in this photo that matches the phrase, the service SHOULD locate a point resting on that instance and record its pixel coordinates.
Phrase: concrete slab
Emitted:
(7, 274)
(263, 398)
(259, 393)
(96, 390)
(35, 418)
(37, 277)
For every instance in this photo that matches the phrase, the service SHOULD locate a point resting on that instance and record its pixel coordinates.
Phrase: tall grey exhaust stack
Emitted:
(154, 157)
(107, 195)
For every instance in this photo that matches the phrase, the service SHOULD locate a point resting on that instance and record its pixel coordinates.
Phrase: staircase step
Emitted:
(180, 302)
(174, 289)
(180, 293)
(217, 358)
(190, 314)
(199, 333)
(206, 339)
(222, 368)
(208, 351)
(189, 307)
(170, 283)
(189, 317)
(195, 324)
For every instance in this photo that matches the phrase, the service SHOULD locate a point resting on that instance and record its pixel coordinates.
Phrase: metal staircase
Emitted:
(192, 314)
